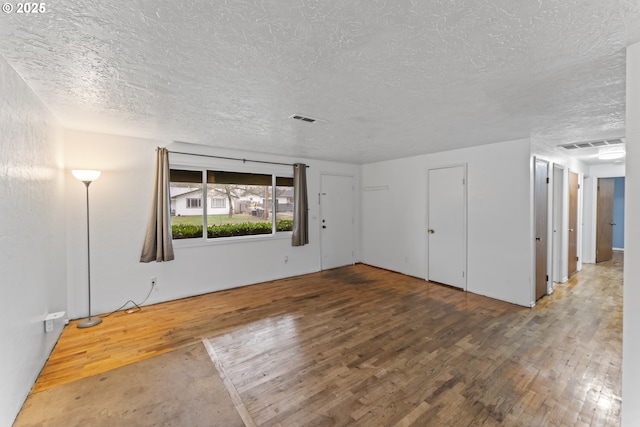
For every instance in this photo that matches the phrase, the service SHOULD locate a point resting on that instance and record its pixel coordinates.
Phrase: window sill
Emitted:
(193, 243)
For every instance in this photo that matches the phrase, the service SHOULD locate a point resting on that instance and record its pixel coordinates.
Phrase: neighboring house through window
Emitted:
(242, 203)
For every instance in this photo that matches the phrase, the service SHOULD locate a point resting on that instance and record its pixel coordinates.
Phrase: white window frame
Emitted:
(190, 200)
(233, 166)
(224, 202)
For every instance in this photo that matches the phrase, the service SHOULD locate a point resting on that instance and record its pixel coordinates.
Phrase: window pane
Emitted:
(284, 204)
(185, 191)
(218, 202)
(246, 207)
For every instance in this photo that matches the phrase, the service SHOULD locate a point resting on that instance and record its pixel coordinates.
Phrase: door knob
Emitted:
(324, 226)
(612, 223)
(571, 230)
(431, 231)
(539, 239)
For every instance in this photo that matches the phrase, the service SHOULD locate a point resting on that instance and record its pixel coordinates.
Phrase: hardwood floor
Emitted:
(364, 346)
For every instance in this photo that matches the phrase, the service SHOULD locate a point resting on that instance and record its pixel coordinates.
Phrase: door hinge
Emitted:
(462, 181)
(577, 258)
(547, 180)
(578, 186)
(547, 278)
(463, 273)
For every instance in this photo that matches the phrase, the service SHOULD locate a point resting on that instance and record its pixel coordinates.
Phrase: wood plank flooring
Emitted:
(364, 346)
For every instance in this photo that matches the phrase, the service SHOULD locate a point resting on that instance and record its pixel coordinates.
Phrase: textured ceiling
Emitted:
(389, 79)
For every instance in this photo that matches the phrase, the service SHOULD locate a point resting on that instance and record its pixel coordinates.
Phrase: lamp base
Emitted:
(91, 321)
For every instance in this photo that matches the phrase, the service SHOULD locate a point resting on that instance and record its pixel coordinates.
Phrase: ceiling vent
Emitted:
(305, 118)
(591, 144)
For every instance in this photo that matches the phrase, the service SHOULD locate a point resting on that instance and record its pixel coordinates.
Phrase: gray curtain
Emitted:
(158, 245)
(301, 206)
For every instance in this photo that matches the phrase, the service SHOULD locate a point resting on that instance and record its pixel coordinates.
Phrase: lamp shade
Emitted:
(85, 175)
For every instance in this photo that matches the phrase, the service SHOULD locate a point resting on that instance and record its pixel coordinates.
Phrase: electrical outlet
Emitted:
(286, 259)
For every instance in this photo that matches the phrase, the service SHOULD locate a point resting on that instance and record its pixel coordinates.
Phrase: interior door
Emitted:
(336, 212)
(541, 195)
(604, 227)
(558, 210)
(447, 239)
(572, 264)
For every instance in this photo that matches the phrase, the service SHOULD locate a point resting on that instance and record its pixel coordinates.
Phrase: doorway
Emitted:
(541, 208)
(337, 222)
(604, 220)
(572, 259)
(447, 226)
(558, 221)
(618, 213)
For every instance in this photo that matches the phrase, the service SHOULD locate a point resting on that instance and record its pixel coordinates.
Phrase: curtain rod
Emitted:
(233, 158)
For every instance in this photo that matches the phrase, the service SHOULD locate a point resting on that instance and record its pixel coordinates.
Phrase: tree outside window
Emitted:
(239, 204)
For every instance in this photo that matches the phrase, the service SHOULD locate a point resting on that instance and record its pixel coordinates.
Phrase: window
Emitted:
(194, 203)
(185, 192)
(284, 204)
(218, 203)
(241, 204)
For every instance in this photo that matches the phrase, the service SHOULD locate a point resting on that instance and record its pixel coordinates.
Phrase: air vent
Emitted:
(615, 141)
(305, 118)
(591, 144)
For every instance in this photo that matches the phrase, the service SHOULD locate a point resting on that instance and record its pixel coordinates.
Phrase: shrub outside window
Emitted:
(235, 204)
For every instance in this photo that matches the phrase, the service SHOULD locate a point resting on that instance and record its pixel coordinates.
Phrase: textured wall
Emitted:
(498, 217)
(119, 207)
(32, 256)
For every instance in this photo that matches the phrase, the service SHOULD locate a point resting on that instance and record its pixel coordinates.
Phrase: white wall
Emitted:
(630, 330)
(557, 156)
(32, 256)
(500, 240)
(608, 170)
(119, 206)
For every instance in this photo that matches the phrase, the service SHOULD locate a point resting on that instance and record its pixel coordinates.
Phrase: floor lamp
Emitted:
(87, 177)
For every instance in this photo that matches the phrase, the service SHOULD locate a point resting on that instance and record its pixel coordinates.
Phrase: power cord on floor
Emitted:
(137, 305)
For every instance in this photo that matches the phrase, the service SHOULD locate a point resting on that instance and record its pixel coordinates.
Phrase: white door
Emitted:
(558, 216)
(336, 221)
(447, 231)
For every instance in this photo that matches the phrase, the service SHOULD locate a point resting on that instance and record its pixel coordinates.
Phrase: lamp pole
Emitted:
(87, 177)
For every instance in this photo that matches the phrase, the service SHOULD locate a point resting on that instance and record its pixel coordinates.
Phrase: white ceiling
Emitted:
(389, 79)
